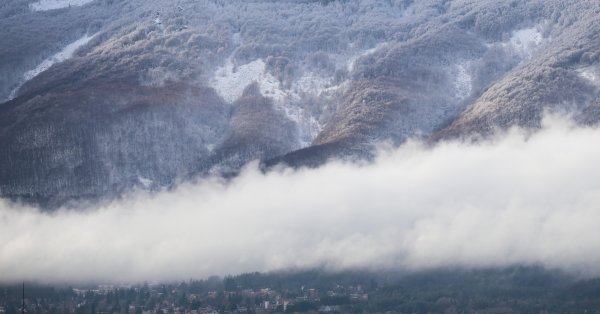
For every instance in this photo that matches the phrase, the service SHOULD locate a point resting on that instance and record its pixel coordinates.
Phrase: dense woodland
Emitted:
(510, 290)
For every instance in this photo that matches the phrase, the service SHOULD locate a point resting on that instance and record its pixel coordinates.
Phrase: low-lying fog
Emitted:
(517, 199)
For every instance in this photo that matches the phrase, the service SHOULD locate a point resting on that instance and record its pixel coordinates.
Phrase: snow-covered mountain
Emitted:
(101, 96)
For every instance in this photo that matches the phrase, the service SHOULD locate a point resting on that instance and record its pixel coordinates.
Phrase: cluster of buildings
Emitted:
(184, 299)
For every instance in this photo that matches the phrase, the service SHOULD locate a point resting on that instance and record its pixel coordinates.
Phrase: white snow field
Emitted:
(45, 5)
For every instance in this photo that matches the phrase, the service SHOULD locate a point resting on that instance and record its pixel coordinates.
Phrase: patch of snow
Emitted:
(237, 39)
(308, 126)
(146, 183)
(526, 42)
(45, 5)
(61, 56)
(230, 81)
(463, 81)
(13, 93)
(211, 147)
(526, 36)
(590, 74)
(311, 130)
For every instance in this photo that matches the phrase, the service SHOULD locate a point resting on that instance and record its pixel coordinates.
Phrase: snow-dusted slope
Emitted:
(45, 5)
(230, 80)
(341, 75)
(61, 56)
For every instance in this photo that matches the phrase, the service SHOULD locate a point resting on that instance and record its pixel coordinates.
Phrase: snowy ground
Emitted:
(45, 5)
(61, 56)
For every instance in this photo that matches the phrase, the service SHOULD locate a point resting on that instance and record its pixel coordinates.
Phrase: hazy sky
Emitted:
(515, 199)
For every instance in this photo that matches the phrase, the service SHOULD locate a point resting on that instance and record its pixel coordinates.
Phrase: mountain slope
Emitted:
(164, 91)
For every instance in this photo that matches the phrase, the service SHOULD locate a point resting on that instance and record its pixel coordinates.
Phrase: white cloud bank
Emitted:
(518, 199)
